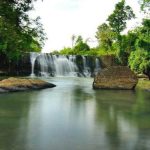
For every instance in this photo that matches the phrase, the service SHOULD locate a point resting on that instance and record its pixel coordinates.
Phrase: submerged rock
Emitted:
(18, 84)
(116, 77)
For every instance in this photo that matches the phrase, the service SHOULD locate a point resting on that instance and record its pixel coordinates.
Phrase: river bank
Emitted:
(143, 84)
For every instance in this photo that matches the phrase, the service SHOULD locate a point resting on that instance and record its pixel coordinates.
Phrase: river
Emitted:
(73, 116)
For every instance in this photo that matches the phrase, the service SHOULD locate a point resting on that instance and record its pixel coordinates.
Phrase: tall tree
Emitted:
(105, 36)
(118, 22)
(118, 19)
(19, 33)
(80, 45)
(73, 39)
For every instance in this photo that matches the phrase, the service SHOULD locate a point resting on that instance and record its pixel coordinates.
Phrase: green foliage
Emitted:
(19, 33)
(67, 51)
(55, 52)
(122, 13)
(139, 59)
(145, 4)
(80, 46)
(143, 84)
(105, 37)
(118, 22)
(144, 35)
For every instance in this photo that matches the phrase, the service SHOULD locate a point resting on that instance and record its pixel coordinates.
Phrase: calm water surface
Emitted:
(73, 116)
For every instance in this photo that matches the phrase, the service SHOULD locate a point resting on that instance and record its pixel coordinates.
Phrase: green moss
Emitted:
(143, 84)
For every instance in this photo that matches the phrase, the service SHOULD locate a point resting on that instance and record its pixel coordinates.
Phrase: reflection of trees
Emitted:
(13, 108)
(124, 110)
(80, 99)
(109, 104)
(109, 107)
(141, 110)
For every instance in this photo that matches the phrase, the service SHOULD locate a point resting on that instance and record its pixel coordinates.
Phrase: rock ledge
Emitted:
(18, 84)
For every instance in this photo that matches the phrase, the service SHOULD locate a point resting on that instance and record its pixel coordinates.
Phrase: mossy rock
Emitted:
(115, 77)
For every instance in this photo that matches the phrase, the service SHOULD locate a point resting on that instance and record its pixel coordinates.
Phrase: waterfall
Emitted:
(33, 57)
(65, 66)
(44, 61)
(86, 69)
(60, 65)
(52, 65)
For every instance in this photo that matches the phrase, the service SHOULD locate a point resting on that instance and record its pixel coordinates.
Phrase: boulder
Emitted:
(115, 77)
(19, 84)
(143, 76)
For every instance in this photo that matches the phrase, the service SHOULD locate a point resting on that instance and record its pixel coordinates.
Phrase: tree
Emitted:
(105, 37)
(118, 22)
(19, 33)
(67, 51)
(73, 39)
(118, 19)
(139, 59)
(145, 4)
(80, 45)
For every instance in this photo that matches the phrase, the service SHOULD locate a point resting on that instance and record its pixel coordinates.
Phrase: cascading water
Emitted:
(44, 63)
(33, 57)
(86, 69)
(65, 66)
(59, 65)
(52, 65)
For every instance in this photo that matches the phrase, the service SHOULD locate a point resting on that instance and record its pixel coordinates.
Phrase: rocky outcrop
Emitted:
(107, 61)
(143, 76)
(116, 77)
(19, 84)
(17, 67)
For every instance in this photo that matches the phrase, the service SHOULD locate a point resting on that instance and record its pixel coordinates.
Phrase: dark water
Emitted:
(73, 116)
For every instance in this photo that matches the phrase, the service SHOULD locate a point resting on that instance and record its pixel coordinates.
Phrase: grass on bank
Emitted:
(143, 84)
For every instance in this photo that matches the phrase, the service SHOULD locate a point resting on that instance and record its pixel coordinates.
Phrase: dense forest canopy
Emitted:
(19, 33)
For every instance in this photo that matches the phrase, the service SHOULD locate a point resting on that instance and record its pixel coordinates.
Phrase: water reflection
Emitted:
(123, 112)
(73, 116)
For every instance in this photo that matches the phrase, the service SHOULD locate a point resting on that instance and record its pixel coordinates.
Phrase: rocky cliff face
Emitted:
(20, 66)
(115, 77)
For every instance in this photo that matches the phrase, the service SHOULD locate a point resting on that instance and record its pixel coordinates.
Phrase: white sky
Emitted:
(63, 18)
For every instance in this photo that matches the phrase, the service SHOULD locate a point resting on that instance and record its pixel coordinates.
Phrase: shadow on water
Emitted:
(73, 116)
(14, 108)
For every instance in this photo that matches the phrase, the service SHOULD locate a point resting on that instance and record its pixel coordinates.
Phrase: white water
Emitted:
(44, 62)
(65, 66)
(33, 57)
(59, 65)
(86, 69)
